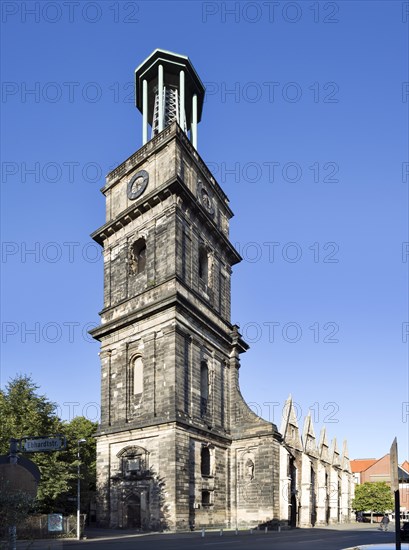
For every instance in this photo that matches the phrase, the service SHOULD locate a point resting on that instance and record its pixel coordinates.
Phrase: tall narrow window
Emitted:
(137, 375)
(186, 376)
(183, 254)
(138, 256)
(203, 264)
(204, 387)
(222, 367)
(205, 461)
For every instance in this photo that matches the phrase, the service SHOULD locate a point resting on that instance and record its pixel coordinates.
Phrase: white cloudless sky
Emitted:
(305, 127)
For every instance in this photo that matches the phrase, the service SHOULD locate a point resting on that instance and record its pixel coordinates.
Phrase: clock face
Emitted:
(137, 184)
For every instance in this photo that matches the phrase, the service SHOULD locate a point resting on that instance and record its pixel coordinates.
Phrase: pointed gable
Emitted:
(289, 426)
(345, 464)
(308, 437)
(334, 454)
(323, 447)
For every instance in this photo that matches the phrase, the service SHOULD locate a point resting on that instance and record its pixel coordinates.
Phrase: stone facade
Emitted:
(316, 481)
(178, 447)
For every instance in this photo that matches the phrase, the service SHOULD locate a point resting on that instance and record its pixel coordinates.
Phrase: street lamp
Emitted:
(79, 491)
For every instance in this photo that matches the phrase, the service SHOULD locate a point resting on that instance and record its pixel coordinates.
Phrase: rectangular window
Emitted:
(222, 367)
(222, 284)
(205, 461)
(183, 254)
(203, 264)
(186, 375)
(204, 387)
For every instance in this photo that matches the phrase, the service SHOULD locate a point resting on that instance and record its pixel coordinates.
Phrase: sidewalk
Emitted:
(356, 525)
(106, 535)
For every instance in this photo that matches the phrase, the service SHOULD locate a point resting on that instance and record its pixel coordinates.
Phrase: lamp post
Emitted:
(79, 491)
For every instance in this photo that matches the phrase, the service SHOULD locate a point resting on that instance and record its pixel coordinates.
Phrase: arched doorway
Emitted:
(133, 512)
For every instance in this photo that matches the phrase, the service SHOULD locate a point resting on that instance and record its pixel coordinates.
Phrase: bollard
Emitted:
(251, 531)
(265, 529)
(279, 528)
(221, 532)
(203, 533)
(237, 531)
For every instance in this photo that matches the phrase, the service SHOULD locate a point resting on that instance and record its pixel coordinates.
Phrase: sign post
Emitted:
(23, 465)
(395, 489)
(42, 444)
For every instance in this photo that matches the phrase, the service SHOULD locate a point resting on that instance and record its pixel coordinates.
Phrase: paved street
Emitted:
(334, 538)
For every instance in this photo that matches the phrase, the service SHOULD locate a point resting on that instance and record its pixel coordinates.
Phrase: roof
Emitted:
(172, 63)
(361, 464)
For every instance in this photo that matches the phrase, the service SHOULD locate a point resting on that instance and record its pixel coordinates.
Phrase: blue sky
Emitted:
(305, 127)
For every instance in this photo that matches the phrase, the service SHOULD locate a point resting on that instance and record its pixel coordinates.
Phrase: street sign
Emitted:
(42, 444)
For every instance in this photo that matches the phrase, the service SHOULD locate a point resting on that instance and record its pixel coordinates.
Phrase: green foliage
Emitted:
(24, 412)
(373, 497)
(77, 429)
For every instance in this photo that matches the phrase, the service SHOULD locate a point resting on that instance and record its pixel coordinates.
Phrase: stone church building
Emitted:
(177, 447)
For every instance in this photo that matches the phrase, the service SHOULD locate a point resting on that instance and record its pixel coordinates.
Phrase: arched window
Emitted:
(138, 256)
(203, 264)
(137, 376)
(205, 461)
(204, 387)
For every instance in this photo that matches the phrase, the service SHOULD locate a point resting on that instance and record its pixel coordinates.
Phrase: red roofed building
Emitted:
(371, 470)
(360, 465)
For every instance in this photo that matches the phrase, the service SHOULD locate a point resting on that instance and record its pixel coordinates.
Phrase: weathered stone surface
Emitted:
(178, 447)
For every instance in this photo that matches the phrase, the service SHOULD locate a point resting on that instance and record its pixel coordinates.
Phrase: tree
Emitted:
(77, 429)
(373, 497)
(24, 412)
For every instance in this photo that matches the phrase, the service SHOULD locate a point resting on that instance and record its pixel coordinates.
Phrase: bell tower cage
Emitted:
(167, 88)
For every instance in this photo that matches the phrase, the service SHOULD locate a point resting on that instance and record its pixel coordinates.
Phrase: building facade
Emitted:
(178, 447)
(372, 470)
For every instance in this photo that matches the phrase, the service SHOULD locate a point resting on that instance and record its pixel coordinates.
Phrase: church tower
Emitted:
(177, 446)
